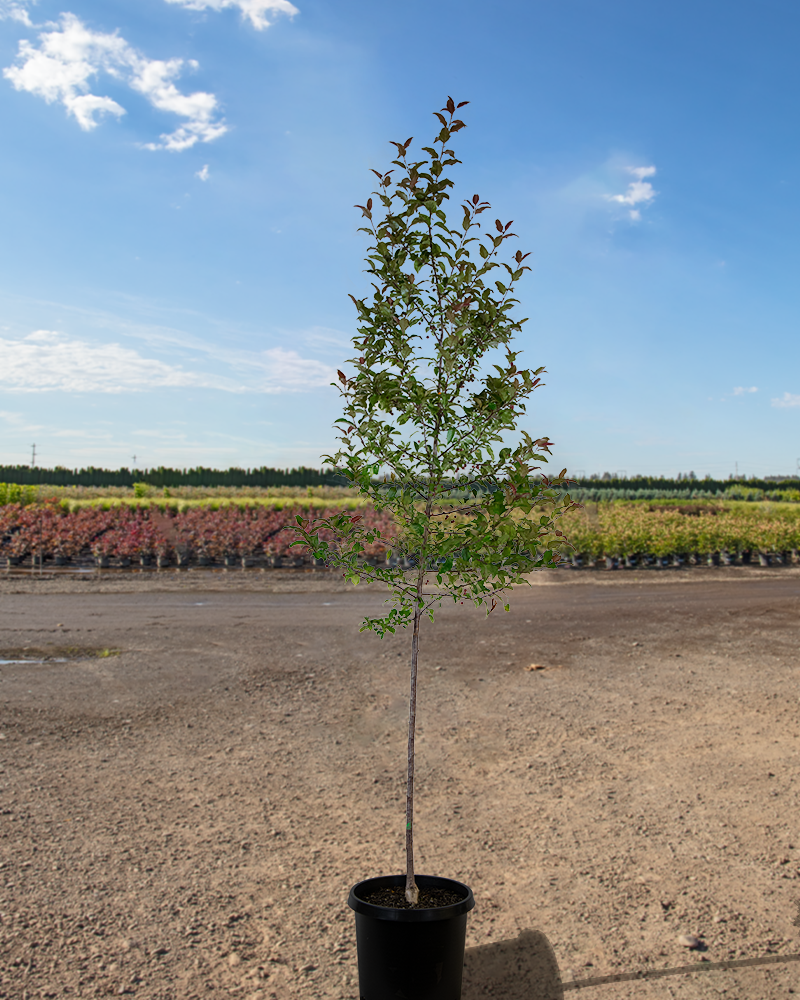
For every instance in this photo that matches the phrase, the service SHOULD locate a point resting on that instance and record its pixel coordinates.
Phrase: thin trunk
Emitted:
(412, 891)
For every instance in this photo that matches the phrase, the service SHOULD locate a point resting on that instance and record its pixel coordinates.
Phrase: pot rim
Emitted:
(463, 906)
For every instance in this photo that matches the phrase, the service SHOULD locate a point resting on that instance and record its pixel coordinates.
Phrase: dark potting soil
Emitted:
(395, 896)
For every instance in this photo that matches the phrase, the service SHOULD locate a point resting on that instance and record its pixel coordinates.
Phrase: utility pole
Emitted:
(33, 457)
(134, 461)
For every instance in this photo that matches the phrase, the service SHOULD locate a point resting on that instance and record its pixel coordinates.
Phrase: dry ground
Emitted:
(183, 819)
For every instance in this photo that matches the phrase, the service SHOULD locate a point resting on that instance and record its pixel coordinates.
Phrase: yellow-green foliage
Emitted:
(146, 491)
(214, 503)
(14, 493)
(623, 528)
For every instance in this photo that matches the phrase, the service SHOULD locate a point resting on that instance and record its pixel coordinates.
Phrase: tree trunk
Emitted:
(412, 892)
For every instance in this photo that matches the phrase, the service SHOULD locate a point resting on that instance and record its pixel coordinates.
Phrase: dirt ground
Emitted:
(183, 819)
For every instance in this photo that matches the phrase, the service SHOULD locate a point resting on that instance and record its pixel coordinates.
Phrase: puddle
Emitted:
(53, 654)
(58, 660)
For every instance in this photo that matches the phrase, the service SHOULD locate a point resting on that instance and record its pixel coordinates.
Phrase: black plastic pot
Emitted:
(410, 954)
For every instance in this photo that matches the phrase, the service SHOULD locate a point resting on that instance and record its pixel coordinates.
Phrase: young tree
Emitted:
(422, 434)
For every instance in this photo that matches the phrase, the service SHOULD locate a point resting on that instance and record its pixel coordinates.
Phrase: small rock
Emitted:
(234, 960)
(689, 941)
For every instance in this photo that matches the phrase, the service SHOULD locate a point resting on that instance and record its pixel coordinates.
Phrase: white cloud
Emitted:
(286, 371)
(639, 191)
(71, 55)
(741, 390)
(47, 361)
(255, 10)
(16, 10)
(786, 401)
(203, 173)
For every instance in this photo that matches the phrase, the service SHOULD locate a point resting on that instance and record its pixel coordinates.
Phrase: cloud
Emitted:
(203, 173)
(254, 10)
(286, 371)
(16, 10)
(741, 390)
(47, 361)
(786, 401)
(71, 55)
(639, 191)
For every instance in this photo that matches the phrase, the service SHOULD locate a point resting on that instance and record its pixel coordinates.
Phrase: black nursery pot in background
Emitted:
(417, 954)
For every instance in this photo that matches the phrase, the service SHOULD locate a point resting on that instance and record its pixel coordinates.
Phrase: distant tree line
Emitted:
(26, 475)
(600, 486)
(687, 483)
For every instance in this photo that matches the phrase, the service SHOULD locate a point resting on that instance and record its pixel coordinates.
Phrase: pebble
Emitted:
(689, 941)
(233, 959)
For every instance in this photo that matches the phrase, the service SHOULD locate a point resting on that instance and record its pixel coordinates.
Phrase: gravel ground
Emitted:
(182, 818)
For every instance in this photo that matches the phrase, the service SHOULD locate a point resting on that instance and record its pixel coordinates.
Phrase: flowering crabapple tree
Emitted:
(424, 426)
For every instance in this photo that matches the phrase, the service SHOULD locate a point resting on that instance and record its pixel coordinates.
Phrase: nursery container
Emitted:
(416, 953)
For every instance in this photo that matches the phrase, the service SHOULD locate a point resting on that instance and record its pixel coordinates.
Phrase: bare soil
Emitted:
(187, 800)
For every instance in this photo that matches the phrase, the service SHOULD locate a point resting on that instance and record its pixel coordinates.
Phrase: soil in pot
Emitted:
(395, 896)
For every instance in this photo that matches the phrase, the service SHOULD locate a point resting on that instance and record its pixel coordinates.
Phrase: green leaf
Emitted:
(419, 357)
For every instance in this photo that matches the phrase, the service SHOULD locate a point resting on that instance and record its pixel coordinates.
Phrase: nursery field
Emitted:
(252, 531)
(201, 765)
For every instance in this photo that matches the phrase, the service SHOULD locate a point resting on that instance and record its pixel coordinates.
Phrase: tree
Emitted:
(423, 431)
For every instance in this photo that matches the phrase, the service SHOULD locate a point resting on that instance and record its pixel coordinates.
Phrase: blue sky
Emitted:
(179, 237)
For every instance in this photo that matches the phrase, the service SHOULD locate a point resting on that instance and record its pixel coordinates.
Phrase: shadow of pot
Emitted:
(524, 968)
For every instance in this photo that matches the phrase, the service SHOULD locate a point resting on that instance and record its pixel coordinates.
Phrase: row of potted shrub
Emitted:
(126, 535)
(630, 532)
(613, 534)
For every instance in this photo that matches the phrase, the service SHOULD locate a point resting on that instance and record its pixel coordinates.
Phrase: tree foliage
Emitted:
(425, 419)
